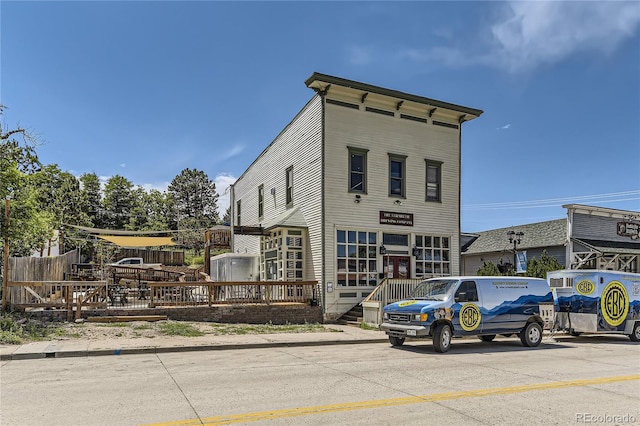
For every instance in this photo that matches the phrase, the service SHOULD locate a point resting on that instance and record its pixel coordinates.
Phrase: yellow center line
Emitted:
(351, 406)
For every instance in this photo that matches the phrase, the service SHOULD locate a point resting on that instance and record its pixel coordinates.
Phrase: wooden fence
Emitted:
(42, 268)
(168, 258)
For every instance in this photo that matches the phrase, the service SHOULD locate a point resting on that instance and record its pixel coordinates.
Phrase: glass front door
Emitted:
(397, 266)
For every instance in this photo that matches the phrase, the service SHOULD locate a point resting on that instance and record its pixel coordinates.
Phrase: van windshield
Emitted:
(433, 289)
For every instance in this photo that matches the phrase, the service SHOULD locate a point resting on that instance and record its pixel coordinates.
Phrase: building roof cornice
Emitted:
(322, 82)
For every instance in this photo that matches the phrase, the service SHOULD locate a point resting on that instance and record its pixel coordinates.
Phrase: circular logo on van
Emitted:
(470, 317)
(585, 287)
(614, 303)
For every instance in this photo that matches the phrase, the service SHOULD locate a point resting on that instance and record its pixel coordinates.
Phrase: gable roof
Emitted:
(536, 235)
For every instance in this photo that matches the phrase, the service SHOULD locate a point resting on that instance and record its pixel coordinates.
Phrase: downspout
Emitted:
(233, 215)
(460, 121)
(322, 94)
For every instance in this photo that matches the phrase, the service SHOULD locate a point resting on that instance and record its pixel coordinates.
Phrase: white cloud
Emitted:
(533, 33)
(505, 127)
(123, 165)
(223, 182)
(548, 31)
(232, 152)
(359, 55)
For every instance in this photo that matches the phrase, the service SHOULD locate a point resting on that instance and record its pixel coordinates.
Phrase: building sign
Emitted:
(391, 218)
(629, 229)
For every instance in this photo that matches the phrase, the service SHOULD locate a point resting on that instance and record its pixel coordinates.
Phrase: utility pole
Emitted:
(5, 259)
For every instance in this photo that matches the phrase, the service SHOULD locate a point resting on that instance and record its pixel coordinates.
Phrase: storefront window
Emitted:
(356, 258)
(433, 256)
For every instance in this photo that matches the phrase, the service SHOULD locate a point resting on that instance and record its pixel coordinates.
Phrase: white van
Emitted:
(441, 308)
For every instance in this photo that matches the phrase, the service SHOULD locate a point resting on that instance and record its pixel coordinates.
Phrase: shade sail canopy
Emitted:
(129, 241)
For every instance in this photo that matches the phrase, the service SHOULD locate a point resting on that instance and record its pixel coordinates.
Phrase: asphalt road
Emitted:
(590, 380)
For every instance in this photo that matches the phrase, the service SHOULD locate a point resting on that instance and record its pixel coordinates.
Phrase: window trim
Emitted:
(289, 186)
(403, 180)
(261, 201)
(238, 212)
(438, 183)
(358, 151)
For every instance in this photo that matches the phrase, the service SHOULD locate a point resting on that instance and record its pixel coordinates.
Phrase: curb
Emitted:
(170, 349)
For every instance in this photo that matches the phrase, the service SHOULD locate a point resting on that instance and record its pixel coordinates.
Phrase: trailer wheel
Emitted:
(574, 333)
(442, 338)
(635, 334)
(396, 341)
(531, 335)
(487, 337)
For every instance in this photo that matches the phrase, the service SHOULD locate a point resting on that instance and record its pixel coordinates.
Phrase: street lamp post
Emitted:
(515, 237)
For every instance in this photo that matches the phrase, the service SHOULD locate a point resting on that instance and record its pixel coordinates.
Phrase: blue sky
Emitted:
(146, 89)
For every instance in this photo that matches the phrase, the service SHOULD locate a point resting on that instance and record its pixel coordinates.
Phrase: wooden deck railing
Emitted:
(73, 296)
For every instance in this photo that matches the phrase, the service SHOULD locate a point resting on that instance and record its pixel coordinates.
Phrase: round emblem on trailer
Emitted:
(585, 287)
(614, 303)
(470, 317)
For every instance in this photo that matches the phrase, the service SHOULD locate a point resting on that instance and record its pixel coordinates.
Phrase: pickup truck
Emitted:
(135, 262)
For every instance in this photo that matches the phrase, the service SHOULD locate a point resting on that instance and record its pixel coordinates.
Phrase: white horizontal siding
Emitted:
(298, 145)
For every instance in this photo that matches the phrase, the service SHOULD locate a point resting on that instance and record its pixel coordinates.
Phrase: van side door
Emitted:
(468, 317)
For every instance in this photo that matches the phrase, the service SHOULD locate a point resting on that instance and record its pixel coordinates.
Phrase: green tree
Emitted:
(488, 269)
(539, 267)
(227, 216)
(90, 184)
(28, 227)
(196, 204)
(195, 196)
(118, 202)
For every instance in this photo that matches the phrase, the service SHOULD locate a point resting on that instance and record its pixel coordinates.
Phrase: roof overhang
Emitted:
(322, 82)
(610, 247)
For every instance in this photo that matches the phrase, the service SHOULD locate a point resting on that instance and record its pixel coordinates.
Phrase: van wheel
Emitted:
(396, 341)
(442, 338)
(531, 335)
(635, 334)
(487, 337)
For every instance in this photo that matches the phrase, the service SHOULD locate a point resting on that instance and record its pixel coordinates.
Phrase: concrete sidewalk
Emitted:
(123, 346)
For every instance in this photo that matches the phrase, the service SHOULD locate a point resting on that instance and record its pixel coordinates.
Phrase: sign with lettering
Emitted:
(629, 229)
(391, 218)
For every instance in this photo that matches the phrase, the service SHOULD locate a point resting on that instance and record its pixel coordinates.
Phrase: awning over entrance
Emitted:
(131, 241)
(292, 218)
(612, 247)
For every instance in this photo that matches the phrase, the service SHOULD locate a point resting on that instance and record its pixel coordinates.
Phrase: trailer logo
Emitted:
(470, 317)
(614, 303)
(585, 287)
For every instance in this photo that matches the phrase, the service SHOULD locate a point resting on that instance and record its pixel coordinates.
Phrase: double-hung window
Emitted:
(434, 180)
(238, 212)
(290, 186)
(261, 201)
(397, 175)
(357, 170)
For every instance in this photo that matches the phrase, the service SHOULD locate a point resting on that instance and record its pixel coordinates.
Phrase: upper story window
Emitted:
(357, 170)
(261, 201)
(397, 172)
(290, 186)
(434, 180)
(238, 212)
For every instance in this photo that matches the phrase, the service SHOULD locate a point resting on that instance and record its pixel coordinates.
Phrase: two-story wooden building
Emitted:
(363, 184)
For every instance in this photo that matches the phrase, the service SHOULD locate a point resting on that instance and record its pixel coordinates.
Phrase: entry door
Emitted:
(397, 267)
